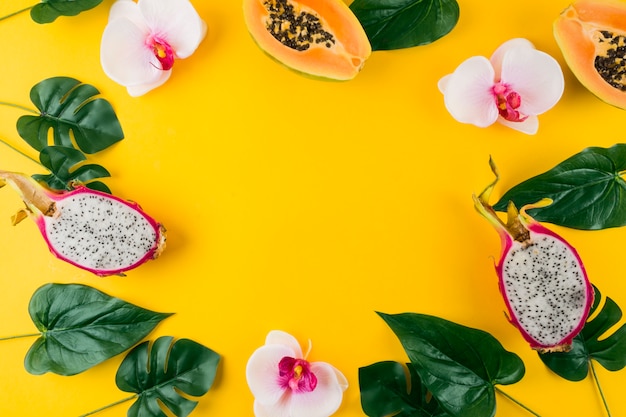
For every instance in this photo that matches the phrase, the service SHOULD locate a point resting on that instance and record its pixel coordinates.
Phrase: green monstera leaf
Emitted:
(160, 372)
(385, 391)
(66, 169)
(587, 190)
(593, 342)
(48, 10)
(70, 109)
(459, 365)
(396, 24)
(81, 327)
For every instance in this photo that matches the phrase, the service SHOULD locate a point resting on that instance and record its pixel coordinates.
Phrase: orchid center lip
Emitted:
(163, 52)
(508, 101)
(296, 375)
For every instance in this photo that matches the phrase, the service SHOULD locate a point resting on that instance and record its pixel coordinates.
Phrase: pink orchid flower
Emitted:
(142, 40)
(285, 384)
(513, 87)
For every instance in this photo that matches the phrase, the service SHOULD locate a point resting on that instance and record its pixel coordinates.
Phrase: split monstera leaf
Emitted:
(81, 327)
(81, 123)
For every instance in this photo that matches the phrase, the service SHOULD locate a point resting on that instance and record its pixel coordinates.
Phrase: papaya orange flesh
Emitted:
(592, 38)
(322, 38)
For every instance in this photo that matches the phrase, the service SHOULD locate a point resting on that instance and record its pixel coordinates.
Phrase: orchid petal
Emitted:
(141, 89)
(536, 76)
(442, 84)
(262, 372)
(325, 399)
(528, 126)
(498, 55)
(177, 22)
(124, 56)
(127, 9)
(278, 337)
(280, 409)
(468, 96)
(341, 379)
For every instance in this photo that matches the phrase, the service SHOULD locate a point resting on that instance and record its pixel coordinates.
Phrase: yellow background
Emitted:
(300, 205)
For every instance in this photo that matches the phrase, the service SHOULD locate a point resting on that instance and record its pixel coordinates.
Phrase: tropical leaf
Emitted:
(48, 10)
(385, 391)
(66, 169)
(459, 365)
(159, 373)
(593, 342)
(70, 109)
(82, 327)
(395, 24)
(587, 190)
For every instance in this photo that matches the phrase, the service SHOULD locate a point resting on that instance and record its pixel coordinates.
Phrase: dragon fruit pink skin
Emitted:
(541, 277)
(92, 230)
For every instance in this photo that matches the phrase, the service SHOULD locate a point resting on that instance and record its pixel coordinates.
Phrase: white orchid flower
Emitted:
(285, 384)
(513, 87)
(143, 39)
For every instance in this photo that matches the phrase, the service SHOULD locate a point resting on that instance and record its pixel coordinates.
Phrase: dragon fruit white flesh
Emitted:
(541, 277)
(92, 230)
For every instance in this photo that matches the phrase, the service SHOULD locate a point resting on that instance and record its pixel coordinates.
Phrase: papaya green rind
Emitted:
(577, 32)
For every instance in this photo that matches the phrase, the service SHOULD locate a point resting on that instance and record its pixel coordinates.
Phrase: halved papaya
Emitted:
(592, 38)
(322, 38)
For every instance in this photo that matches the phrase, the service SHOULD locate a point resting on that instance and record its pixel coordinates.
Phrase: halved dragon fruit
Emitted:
(92, 230)
(541, 277)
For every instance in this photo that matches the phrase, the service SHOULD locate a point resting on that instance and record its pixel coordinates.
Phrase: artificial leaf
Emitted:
(98, 186)
(48, 10)
(70, 109)
(65, 169)
(587, 190)
(385, 391)
(82, 327)
(161, 371)
(396, 24)
(593, 342)
(459, 365)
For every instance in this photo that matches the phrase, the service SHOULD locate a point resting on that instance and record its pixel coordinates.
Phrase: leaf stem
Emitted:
(110, 405)
(8, 145)
(516, 402)
(17, 12)
(597, 381)
(17, 106)
(20, 336)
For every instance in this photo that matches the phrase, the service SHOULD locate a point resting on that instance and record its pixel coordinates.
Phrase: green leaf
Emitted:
(98, 186)
(587, 190)
(396, 24)
(459, 365)
(158, 373)
(593, 342)
(48, 10)
(385, 391)
(71, 110)
(82, 327)
(63, 164)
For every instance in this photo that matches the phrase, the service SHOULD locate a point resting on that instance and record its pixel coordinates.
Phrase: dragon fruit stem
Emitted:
(32, 194)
